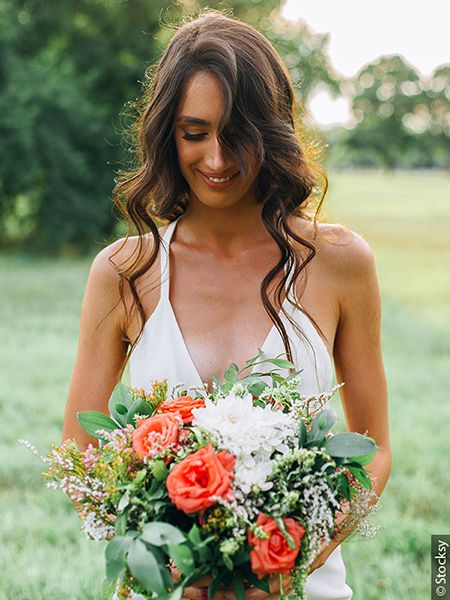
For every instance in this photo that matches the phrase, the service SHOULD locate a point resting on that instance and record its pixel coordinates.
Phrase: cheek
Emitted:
(187, 155)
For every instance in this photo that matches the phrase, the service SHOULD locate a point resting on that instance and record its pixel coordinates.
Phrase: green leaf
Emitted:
(176, 594)
(238, 585)
(228, 562)
(321, 424)
(362, 476)
(364, 459)
(139, 407)
(145, 568)
(115, 554)
(348, 444)
(344, 486)
(120, 524)
(215, 585)
(182, 556)
(194, 535)
(231, 374)
(280, 362)
(159, 470)
(160, 534)
(91, 420)
(257, 388)
(124, 501)
(261, 584)
(120, 399)
(289, 539)
(302, 433)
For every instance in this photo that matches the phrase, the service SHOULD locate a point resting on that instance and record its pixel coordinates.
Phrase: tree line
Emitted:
(71, 71)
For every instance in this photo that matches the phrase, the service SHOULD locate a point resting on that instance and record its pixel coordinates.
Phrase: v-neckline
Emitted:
(188, 354)
(178, 328)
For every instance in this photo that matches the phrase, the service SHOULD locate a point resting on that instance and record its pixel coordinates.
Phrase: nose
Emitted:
(216, 159)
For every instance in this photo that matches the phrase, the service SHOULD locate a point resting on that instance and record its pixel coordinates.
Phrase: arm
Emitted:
(358, 356)
(101, 350)
(359, 363)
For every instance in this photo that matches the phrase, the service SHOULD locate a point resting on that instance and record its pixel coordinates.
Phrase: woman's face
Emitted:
(214, 178)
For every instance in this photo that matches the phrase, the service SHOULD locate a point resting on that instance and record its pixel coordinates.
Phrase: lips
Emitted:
(219, 184)
(221, 176)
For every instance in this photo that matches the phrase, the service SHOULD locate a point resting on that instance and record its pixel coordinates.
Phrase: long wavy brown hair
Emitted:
(261, 115)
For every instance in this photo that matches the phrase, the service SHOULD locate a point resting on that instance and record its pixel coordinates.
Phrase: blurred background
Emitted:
(375, 84)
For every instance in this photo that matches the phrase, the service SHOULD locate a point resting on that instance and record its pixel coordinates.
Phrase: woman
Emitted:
(220, 160)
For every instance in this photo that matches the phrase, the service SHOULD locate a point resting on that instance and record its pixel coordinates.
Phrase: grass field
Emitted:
(406, 220)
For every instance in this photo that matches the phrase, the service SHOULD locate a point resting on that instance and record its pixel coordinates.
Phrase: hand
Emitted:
(199, 589)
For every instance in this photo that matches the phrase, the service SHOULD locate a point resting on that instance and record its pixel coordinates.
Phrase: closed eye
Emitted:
(193, 137)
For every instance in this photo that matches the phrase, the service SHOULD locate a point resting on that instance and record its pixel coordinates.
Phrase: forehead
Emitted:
(202, 97)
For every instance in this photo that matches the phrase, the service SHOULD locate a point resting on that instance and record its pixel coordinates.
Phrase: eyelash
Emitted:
(193, 138)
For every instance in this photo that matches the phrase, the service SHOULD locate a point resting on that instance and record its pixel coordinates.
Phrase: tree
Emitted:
(67, 70)
(402, 120)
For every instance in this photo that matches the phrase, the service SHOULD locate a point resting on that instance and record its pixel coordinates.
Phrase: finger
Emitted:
(195, 593)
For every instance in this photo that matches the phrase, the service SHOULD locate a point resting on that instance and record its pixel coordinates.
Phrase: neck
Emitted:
(223, 230)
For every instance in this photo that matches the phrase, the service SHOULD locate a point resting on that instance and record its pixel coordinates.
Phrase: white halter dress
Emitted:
(161, 352)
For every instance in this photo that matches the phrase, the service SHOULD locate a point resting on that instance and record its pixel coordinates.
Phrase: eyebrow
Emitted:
(192, 120)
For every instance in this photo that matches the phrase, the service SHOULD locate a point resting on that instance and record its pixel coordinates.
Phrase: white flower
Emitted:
(251, 433)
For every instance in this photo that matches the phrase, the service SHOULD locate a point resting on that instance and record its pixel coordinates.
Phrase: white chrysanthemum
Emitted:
(251, 433)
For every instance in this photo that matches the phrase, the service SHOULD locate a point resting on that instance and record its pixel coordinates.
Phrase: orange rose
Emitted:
(274, 554)
(199, 476)
(155, 434)
(183, 405)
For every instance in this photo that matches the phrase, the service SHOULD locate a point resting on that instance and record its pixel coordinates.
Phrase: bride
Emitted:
(222, 163)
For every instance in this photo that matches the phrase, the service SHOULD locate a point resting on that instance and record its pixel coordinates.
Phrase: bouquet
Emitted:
(240, 483)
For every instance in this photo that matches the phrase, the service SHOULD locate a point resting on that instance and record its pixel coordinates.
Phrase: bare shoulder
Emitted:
(339, 249)
(113, 264)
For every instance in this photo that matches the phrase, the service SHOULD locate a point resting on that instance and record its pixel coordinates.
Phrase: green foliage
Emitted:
(69, 74)
(67, 70)
(347, 444)
(93, 420)
(39, 319)
(400, 118)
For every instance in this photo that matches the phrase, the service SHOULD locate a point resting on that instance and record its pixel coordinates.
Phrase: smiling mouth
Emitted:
(219, 179)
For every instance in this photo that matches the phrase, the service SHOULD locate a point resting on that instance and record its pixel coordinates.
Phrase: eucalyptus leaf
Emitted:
(120, 398)
(145, 568)
(160, 534)
(364, 459)
(124, 501)
(120, 524)
(321, 424)
(115, 554)
(139, 407)
(231, 374)
(194, 535)
(348, 444)
(257, 388)
(92, 420)
(182, 556)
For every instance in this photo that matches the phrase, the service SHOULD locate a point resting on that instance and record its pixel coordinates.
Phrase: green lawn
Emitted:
(406, 220)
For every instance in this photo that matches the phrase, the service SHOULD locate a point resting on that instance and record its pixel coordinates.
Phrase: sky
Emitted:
(362, 31)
